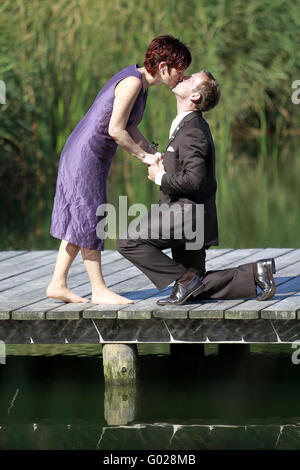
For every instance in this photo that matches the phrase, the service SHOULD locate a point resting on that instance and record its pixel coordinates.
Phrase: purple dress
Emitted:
(84, 165)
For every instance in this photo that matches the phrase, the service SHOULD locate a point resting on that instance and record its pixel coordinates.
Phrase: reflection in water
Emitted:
(119, 404)
(257, 204)
(170, 436)
(13, 401)
(223, 401)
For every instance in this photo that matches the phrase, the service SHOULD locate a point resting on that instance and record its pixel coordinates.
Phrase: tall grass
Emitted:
(56, 56)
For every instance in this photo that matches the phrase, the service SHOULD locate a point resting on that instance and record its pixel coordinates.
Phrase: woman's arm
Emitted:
(126, 92)
(140, 140)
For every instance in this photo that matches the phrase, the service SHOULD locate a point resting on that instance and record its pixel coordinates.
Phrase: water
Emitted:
(225, 400)
(54, 397)
(257, 201)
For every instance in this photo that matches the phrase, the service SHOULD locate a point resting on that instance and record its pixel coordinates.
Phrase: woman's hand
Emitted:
(161, 158)
(154, 170)
(152, 159)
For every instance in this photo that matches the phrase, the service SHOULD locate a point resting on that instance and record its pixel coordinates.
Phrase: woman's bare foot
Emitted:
(63, 293)
(107, 296)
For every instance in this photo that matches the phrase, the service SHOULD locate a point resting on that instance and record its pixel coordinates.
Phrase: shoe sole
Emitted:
(273, 266)
(271, 271)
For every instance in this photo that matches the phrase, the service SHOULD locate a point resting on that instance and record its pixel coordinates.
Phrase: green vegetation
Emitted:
(56, 56)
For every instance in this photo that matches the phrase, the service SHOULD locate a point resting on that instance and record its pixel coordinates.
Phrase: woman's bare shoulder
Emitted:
(131, 84)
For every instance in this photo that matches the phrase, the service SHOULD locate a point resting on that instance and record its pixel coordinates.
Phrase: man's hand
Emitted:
(152, 159)
(153, 170)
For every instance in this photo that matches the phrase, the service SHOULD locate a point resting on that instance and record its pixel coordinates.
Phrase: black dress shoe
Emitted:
(181, 292)
(263, 274)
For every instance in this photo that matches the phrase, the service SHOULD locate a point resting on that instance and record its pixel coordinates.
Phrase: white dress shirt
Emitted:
(174, 124)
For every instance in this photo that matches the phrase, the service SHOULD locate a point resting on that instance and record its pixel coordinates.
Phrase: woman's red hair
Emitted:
(167, 49)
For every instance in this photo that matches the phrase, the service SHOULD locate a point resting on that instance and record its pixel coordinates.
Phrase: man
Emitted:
(187, 179)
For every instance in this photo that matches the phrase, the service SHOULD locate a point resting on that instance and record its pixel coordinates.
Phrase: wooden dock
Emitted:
(28, 316)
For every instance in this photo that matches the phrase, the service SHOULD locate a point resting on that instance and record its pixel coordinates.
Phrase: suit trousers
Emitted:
(145, 252)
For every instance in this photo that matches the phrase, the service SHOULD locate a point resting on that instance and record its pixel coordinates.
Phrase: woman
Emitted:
(86, 158)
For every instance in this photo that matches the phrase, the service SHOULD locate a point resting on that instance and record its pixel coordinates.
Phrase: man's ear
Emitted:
(162, 66)
(195, 97)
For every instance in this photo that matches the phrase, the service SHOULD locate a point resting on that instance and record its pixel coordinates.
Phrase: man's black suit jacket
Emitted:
(189, 162)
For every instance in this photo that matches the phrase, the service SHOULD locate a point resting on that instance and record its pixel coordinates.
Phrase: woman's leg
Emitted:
(57, 288)
(100, 293)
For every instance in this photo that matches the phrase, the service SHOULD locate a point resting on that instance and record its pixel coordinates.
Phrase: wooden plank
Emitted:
(4, 255)
(217, 308)
(27, 257)
(266, 253)
(287, 308)
(38, 273)
(184, 311)
(36, 291)
(148, 308)
(27, 302)
(171, 312)
(215, 253)
(290, 270)
(136, 289)
(286, 260)
(139, 310)
(33, 260)
(77, 274)
(235, 257)
(72, 311)
(80, 280)
(46, 272)
(68, 311)
(210, 309)
(143, 309)
(115, 311)
(32, 313)
(250, 309)
(213, 308)
(4, 313)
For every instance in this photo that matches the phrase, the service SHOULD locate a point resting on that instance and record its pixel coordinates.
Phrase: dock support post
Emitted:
(119, 363)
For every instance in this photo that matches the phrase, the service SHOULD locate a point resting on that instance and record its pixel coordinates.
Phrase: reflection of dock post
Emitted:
(119, 404)
(119, 363)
